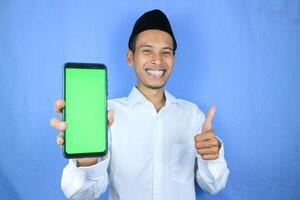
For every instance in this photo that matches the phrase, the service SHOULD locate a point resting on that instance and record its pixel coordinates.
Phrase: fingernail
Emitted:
(61, 125)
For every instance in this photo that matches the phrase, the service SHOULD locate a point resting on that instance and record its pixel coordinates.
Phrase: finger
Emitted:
(59, 105)
(207, 144)
(110, 117)
(204, 136)
(58, 124)
(211, 150)
(210, 156)
(208, 121)
(60, 140)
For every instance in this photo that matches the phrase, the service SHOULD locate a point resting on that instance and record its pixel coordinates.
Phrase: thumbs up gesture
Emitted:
(206, 142)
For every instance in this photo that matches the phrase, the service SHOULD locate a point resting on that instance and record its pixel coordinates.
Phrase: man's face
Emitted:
(153, 59)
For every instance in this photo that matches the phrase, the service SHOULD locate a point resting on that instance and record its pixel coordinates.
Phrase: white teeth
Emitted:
(155, 72)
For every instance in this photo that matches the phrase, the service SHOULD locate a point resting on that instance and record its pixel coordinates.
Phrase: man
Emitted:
(156, 140)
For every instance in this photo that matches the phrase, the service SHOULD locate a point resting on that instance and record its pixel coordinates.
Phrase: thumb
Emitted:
(110, 117)
(207, 125)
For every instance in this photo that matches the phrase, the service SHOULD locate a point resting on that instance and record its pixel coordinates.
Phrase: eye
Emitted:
(166, 53)
(146, 51)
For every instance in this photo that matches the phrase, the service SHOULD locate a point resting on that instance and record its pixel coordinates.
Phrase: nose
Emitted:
(157, 59)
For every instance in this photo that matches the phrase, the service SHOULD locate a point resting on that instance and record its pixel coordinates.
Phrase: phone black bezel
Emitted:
(83, 66)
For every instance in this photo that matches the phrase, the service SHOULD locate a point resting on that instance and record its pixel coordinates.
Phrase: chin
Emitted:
(155, 87)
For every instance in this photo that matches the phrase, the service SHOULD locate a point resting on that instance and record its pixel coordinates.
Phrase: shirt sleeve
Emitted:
(211, 175)
(85, 182)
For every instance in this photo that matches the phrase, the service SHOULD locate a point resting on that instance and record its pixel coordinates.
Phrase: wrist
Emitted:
(86, 162)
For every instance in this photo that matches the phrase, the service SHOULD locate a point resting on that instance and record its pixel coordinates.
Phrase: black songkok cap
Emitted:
(154, 19)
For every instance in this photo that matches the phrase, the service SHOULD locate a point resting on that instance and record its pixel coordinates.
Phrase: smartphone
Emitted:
(85, 95)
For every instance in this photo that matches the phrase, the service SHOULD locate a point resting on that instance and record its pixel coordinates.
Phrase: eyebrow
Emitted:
(149, 46)
(169, 48)
(145, 45)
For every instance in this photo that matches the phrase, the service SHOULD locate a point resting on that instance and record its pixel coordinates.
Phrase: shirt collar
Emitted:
(135, 96)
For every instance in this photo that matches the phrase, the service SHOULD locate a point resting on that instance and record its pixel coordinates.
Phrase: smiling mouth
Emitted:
(157, 73)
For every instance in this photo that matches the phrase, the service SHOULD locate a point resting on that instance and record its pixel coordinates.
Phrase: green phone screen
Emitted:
(85, 110)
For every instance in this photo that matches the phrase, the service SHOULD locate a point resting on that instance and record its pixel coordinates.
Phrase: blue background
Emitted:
(242, 56)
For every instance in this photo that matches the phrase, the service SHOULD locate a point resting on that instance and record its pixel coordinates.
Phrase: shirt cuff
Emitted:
(94, 171)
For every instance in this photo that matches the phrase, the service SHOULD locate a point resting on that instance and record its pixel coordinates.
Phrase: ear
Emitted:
(174, 60)
(129, 57)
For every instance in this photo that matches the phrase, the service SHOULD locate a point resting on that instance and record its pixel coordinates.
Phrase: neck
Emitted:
(155, 96)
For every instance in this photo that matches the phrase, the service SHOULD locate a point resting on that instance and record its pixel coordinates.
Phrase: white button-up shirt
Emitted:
(151, 157)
